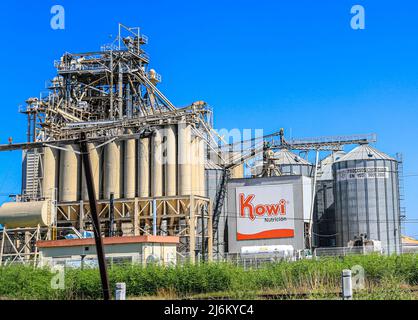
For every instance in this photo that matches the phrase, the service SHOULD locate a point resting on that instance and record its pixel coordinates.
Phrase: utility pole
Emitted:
(85, 155)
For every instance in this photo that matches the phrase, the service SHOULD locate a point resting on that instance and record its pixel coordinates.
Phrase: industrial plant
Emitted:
(164, 177)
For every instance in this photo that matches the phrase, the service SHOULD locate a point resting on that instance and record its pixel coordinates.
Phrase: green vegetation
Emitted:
(391, 277)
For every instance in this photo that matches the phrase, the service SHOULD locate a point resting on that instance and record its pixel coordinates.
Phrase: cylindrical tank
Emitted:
(367, 198)
(111, 178)
(129, 169)
(143, 167)
(201, 167)
(157, 164)
(68, 180)
(95, 168)
(291, 164)
(25, 214)
(324, 207)
(50, 173)
(170, 162)
(194, 159)
(184, 159)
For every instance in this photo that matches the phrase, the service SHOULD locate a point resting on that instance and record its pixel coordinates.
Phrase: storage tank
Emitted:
(129, 171)
(291, 164)
(96, 170)
(366, 192)
(25, 214)
(68, 179)
(50, 161)
(184, 159)
(157, 164)
(111, 175)
(324, 207)
(143, 167)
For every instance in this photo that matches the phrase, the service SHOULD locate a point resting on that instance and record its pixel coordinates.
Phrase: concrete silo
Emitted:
(367, 198)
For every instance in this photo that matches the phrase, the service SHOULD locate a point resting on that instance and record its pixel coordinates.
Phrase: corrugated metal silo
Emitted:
(292, 164)
(367, 197)
(324, 207)
(68, 180)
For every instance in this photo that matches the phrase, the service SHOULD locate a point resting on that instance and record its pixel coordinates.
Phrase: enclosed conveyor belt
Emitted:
(25, 214)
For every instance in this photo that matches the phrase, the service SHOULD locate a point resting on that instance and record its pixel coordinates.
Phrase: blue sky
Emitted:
(295, 64)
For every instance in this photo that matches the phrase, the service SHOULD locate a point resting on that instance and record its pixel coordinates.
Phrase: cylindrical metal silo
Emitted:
(367, 198)
(324, 207)
(291, 164)
(50, 172)
(129, 171)
(95, 168)
(184, 159)
(111, 178)
(170, 163)
(143, 167)
(68, 179)
(157, 164)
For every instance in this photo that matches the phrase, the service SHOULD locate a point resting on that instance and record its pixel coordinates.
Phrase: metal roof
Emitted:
(285, 157)
(325, 170)
(365, 152)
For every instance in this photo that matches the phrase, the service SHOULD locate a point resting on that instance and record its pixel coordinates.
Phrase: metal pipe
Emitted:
(95, 217)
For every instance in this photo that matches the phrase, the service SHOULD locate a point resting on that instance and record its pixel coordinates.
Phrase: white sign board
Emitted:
(363, 173)
(265, 212)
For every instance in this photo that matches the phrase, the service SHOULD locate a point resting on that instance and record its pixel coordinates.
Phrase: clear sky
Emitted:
(295, 64)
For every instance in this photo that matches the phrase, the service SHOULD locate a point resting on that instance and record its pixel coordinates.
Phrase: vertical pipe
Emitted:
(154, 217)
(313, 200)
(184, 157)
(129, 169)
(143, 167)
(68, 175)
(157, 165)
(194, 165)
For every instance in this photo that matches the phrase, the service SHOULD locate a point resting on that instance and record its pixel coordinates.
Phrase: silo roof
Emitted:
(325, 171)
(285, 157)
(365, 152)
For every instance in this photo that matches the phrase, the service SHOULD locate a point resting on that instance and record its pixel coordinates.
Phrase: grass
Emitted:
(392, 277)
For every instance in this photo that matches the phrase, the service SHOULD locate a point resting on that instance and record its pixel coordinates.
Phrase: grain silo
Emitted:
(289, 163)
(367, 198)
(324, 210)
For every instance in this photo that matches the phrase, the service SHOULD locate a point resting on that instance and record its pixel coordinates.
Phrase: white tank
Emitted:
(157, 164)
(170, 162)
(143, 167)
(25, 214)
(195, 165)
(95, 168)
(184, 159)
(68, 180)
(201, 167)
(50, 172)
(129, 169)
(111, 179)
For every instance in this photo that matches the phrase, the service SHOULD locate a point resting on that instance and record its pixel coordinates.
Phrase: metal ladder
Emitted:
(32, 183)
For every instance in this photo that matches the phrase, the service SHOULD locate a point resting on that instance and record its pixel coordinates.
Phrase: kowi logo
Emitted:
(261, 210)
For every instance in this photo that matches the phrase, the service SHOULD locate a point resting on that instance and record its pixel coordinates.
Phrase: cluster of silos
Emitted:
(324, 208)
(169, 162)
(367, 198)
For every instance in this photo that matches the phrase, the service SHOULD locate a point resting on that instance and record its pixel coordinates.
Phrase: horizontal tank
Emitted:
(25, 214)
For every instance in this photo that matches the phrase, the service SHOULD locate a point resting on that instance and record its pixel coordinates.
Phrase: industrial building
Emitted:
(159, 170)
